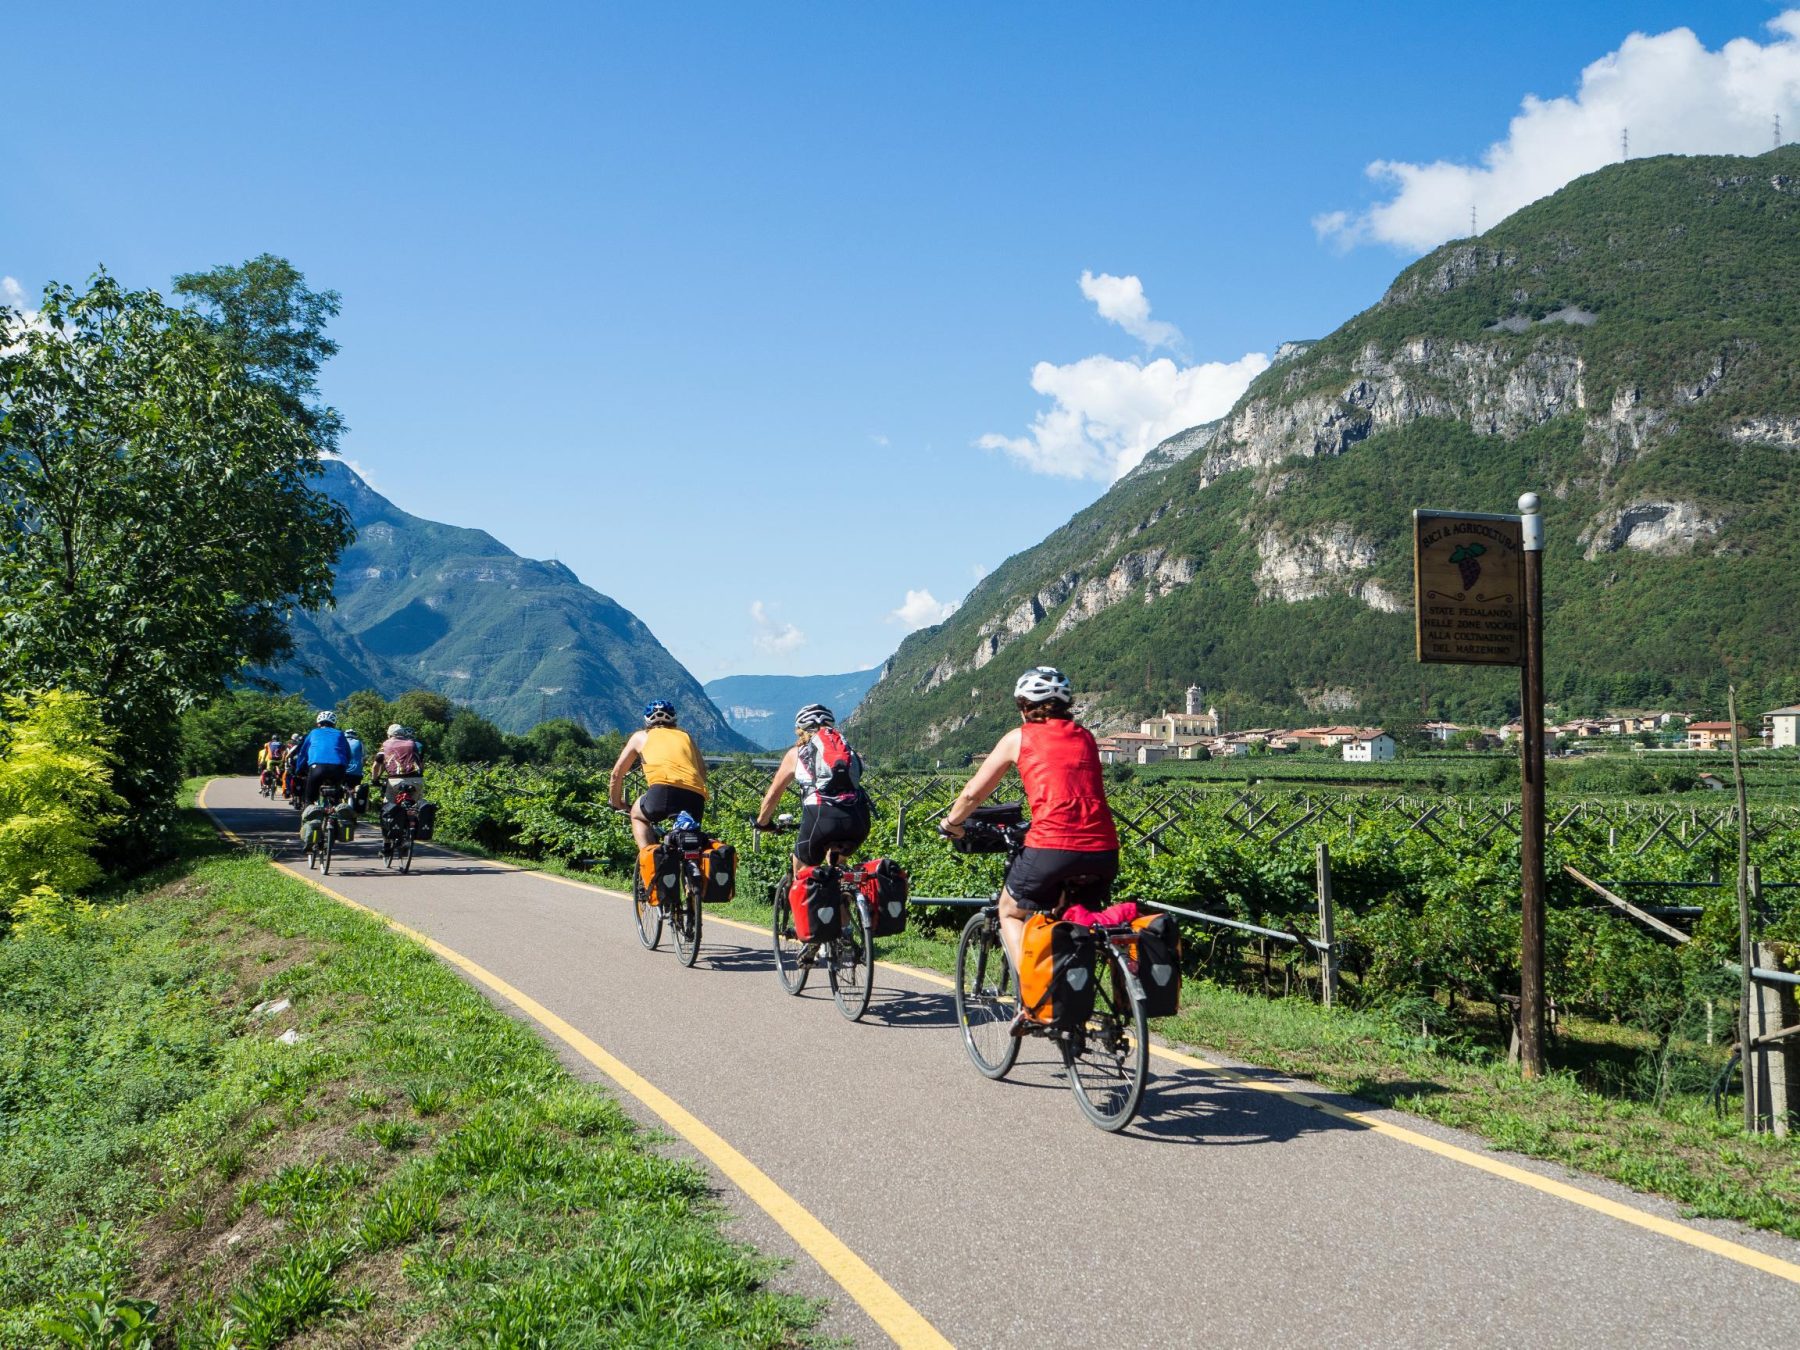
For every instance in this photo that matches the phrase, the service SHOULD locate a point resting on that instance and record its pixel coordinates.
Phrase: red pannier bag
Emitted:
(817, 900)
(885, 885)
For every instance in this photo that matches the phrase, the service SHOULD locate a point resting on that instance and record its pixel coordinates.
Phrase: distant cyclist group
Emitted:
(1050, 956)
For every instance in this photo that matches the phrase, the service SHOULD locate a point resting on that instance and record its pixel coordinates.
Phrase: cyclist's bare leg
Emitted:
(641, 829)
(1012, 925)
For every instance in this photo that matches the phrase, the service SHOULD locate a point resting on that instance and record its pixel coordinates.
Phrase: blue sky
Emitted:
(718, 305)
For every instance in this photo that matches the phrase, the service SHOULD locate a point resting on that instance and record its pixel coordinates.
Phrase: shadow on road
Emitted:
(1192, 1106)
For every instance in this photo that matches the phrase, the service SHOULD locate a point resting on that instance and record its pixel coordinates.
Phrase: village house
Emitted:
(1713, 735)
(1369, 747)
(1781, 728)
(1442, 732)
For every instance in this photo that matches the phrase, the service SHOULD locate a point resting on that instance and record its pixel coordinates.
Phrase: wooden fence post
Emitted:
(1328, 959)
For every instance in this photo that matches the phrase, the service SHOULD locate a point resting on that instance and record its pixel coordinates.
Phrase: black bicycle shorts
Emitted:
(1044, 878)
(826, 826)
(318, 775)
(662, 802)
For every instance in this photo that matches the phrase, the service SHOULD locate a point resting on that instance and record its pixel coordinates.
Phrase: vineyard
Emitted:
(1425, 888)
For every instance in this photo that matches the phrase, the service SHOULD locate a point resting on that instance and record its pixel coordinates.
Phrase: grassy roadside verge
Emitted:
(385, 1160)
(1680, 1150)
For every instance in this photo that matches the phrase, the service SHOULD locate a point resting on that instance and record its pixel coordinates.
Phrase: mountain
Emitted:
(1626, 347)
(762, 707)
(426, 605)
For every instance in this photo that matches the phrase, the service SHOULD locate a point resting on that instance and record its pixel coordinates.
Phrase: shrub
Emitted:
(56, 797)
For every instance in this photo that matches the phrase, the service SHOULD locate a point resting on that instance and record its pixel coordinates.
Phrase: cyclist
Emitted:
(353, 769)
(268, 756)
(673, 768)
(1072, 853)
(400, 763)
(323, 756)
(834, 809)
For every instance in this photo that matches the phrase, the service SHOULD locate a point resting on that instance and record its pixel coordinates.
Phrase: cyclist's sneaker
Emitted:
(1021, 1026)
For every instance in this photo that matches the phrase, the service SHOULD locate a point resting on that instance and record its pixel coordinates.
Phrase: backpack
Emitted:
(885, 885)
(836, 769)
(404, 764)
(817, 901)
(1056, 972)
(1156, 960)
(718, 867)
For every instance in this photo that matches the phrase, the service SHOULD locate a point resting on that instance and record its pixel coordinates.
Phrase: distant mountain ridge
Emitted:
(1624, 347)
(762, 707)
(422, 604)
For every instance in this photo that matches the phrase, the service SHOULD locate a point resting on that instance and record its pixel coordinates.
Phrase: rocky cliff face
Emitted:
(1622, 347)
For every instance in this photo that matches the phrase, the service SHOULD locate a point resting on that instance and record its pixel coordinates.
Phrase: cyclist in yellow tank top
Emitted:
(672, 766)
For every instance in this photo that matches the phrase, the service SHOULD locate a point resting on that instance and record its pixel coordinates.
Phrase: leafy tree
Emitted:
(471, 739)
(223, 736)
(156, 520)
(263, 313)
(558, 741)
(55, 797)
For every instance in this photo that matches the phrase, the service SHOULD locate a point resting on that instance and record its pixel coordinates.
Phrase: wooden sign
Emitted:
(1469, 588)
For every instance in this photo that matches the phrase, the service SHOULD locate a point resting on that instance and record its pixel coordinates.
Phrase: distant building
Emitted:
(1712, 735)
(1369, 747)
(1172, 726)
(1782, 727)
(1441, 731)
(1196, 700)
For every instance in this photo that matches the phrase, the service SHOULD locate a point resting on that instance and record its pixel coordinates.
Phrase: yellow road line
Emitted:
(1481, 1162)
(892, 1313)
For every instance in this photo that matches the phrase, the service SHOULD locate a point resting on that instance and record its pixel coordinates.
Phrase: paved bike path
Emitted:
(1226, 1214)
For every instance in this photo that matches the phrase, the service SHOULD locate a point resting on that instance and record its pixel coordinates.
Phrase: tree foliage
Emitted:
(55, 797)
(157, 522)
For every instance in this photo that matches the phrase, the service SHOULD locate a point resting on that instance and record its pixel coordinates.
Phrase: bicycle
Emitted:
(398, 829)
(338, 816)
(1107, 1059)
(265, 783)
(850, 956)
(684, 914)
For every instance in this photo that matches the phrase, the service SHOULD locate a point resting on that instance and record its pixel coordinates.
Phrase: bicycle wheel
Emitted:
(987, 998)
(406, 852)
(788, 947)
(686, 920)
(329, 828)
(852, 963)
(649, 917)
(1108, 1059)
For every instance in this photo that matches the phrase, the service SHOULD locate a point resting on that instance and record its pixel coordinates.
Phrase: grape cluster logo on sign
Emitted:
(1468, 588)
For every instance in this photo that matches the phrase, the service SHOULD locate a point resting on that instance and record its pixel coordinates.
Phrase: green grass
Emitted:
(416, 1169)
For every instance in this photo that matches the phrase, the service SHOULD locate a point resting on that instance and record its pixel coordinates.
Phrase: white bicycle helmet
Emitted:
(813, 716)
(325, 719)
(395, 730)
(1044, 684)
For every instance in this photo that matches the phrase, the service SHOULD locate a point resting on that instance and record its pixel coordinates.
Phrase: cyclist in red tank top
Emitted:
(1073, 853)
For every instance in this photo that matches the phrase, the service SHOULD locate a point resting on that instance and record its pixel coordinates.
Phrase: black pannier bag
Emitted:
(427, 820)
(719, 867)
(885, 885)
(1157, 949)
(1056, 971)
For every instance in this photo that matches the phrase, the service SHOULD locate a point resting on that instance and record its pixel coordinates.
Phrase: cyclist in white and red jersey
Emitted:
(1072, 849)
(834, 809)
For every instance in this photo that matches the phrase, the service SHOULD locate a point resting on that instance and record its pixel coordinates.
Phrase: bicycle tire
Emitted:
(406, 855)
(330, 829)
(1109, 1059)
(852, 965)
(987, 999)
(686, 920)
(649, 917)
(788, 947)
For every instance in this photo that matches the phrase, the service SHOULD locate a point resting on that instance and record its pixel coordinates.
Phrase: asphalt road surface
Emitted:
(992, 1214)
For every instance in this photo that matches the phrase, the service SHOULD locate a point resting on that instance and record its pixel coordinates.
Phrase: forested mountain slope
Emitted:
(1627, 347)
(426, 605)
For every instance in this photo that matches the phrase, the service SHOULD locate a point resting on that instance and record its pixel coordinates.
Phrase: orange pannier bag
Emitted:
(647, 860)
(1056, 971)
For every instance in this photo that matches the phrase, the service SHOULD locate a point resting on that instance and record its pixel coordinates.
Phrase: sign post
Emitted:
(1478, 600)
(1531, 783)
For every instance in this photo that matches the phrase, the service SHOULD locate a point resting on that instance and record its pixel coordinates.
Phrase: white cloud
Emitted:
(1109, 414)
(13, 297)
(1672, 94)
(921, 609)
(1121, 300)
(772, 635)
(878, 439)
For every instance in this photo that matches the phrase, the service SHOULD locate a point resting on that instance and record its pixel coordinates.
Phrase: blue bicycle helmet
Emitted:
(659, 712)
